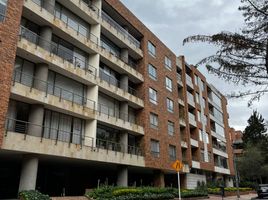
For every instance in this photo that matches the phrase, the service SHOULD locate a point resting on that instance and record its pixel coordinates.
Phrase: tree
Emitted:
(242, 57)
(254, 133)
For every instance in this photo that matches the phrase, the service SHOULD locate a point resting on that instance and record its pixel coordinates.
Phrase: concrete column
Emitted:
(124, 111)
(49, 5)
(90, 133)
(36, 117)
(159, 179)
(46, 35)
(124, 55)
(94, 61)
(28, 173)
(124, 82)
(98, 4)
(41, 77)
(124, 141)
(122, 176)
(95, 30)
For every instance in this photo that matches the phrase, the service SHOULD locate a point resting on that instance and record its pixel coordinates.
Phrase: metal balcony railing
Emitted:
(49, 88)
(24, 127)
(120, 29)
(190, 97)
(53, 48)
(219, 147)
(179, 77)
(91, 37)
(191, 116)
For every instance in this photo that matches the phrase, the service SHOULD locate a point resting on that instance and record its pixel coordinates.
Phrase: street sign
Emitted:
(177, 165)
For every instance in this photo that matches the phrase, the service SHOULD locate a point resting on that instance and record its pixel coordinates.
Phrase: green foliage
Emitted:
(33, 195)
(142, 193)
(230, 189)
(254, 132)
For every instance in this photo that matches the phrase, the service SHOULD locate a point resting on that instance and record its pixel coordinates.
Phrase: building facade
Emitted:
(90, 96)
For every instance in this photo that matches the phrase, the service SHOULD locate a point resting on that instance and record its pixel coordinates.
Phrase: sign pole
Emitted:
(179, 185)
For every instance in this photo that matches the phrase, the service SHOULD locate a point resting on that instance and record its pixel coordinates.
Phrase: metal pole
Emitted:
(179, 185)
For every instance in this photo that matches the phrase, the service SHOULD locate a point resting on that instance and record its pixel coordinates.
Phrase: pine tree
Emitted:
(242, 57)
(254, 133)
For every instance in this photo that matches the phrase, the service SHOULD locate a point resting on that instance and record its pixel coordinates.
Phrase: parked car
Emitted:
(262, 190)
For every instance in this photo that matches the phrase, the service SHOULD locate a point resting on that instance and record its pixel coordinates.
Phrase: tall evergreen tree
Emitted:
(242, 57)
(254, 133)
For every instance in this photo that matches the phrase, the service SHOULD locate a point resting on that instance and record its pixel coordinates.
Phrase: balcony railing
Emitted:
(120, 29)
(89, 36)
(190, 97)
(24, 127)
(219, 147)
(115, 82)
(179, 77)
(52, 48)
(57, 50)
(49, 88)
(191, 116)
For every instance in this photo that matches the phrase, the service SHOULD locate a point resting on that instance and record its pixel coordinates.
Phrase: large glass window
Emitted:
(153, 95)
(172, 152)
(108, 75)
(151, 49)
(219, 130)
(216, 99)
(110, 46)
(154, 121)
(23, 72)
(170, 105)
(155, 148)
(169, 84)
(58, 126)
(3, 7)
(66, 88)
(168, 63)
(152, 72)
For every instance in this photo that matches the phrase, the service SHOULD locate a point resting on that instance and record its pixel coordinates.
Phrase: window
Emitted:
(3, 7)
(207, 138)
(153, 120)
(200, 135)
(196, 79)
(151, 49)
(152, 72)
(168, 63)
(199, 116)
(170, 105)
(202, 156)
(169, 84)
(172, 152)
(152, 96)
(197, 98)
(203, 86)
(155, 148)
(170, 128)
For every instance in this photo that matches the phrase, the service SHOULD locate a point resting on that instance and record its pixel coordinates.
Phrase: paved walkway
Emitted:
(243, 197)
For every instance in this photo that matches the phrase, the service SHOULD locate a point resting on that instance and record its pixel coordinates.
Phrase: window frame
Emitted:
(172, 152)
(169, 87)
(153, 92)
(150, 66)
(155, 152)
(3, 15)
(168, 63)
(169, 103)
(171, 128)
(154, 120)
(151, 49)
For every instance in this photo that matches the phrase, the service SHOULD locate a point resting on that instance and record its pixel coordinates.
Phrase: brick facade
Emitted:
(9, 30)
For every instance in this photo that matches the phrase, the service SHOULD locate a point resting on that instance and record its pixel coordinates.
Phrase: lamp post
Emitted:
(236, 172)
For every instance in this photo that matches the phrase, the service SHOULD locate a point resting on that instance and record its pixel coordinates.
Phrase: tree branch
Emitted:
(256, 8)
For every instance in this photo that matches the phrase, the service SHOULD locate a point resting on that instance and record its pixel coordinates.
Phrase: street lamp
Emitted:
(234, 145)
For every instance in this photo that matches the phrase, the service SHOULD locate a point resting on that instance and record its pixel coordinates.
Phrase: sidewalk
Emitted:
(243, 197)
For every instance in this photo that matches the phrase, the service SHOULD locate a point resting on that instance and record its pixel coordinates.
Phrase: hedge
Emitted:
(33, 195)
(142, 193)
(230, 189)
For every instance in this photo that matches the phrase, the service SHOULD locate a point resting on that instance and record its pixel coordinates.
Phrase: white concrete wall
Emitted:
(192, 179)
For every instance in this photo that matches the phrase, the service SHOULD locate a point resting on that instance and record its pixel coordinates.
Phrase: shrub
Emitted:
(232, 189)
(33, 195)
(142, 193)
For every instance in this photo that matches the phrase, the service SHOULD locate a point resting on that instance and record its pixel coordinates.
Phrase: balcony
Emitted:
(86, 41)
(184, 144)
(222, 170)
(179, 79)
(190, 99)
(67, 144)
(122, 35)
(68, 102)
(195, 164)
(65, 63)
(216, 135)
(182, 122)
(189, 81)
(192, 120)
(220, 153)
(194, 142)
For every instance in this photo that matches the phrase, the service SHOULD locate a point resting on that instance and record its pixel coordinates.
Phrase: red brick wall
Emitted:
(9, 29)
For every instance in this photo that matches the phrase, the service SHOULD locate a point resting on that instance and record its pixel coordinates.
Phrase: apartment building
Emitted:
(90, 96)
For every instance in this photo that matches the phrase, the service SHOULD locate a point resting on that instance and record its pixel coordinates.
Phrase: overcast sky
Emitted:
(174, 20)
